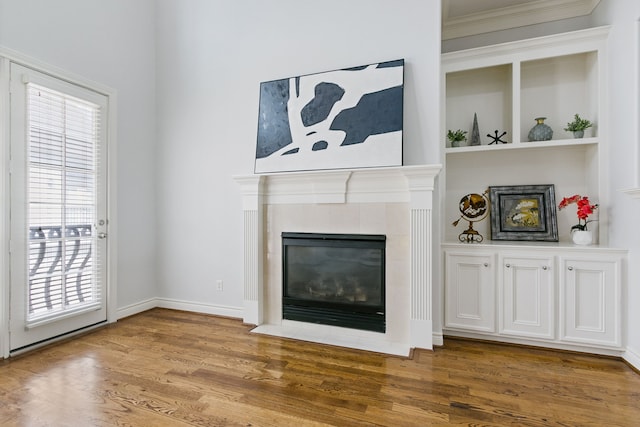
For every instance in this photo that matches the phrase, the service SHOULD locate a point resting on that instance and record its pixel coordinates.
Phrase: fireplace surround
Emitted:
(394, 201)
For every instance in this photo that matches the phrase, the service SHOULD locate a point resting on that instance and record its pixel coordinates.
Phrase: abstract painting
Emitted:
(349, 118)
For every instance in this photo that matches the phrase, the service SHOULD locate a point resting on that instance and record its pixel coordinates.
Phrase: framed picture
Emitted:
(349, 118)
(523, 212)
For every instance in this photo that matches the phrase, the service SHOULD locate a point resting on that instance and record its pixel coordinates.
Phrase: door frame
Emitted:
(8, 56)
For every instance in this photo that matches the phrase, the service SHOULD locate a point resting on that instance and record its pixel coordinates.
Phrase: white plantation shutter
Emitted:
(62, 162)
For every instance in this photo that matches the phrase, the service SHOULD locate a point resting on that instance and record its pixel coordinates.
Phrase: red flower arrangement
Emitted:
(585, 208)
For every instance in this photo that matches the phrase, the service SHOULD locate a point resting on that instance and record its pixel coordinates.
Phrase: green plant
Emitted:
(459, 135)
(578, 124)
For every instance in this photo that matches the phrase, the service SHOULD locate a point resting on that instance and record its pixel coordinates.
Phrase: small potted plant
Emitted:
(577, 126)
(456, 136)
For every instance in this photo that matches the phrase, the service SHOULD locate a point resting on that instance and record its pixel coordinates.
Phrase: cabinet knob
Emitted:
(508, 265)
(570, 268)
(486, 264)
(544, 267)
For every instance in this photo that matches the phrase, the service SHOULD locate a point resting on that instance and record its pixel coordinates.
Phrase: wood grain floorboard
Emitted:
(173, 368)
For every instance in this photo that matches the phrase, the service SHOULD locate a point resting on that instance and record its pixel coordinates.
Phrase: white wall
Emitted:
(112, 43)
(212, 56)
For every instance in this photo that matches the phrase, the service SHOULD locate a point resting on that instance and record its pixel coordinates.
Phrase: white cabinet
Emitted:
(590, 297)
(553, 295)
(550, 294)
(470, 292)
(527, 296)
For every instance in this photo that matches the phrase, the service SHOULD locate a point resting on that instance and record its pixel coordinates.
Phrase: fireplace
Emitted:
(334, 279)
(395, 202)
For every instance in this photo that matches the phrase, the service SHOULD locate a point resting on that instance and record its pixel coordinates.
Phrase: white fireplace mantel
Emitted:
(411, 186)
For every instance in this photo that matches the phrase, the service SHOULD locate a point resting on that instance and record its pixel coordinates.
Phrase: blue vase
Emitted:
(540, 132)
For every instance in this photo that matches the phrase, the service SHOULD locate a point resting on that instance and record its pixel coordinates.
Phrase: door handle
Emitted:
(102, 235)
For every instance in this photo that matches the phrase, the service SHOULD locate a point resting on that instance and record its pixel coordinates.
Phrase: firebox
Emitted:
(334, 279)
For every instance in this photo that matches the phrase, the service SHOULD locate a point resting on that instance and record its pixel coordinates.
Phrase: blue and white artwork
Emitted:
(350, 118)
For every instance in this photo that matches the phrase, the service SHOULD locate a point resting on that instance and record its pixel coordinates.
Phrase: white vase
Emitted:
(582, 237)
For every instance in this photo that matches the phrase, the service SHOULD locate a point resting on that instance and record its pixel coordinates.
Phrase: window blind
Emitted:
(63, 156)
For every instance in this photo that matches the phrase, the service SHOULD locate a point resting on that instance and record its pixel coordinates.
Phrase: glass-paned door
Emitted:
(58, 207)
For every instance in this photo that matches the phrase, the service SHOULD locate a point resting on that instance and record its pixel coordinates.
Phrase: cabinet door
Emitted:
(590, 301)
(469, 290)
(527, 297)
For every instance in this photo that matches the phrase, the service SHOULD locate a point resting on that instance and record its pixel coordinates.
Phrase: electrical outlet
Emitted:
(219, 285)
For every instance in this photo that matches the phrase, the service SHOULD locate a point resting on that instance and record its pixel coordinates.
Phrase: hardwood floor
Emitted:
(172, 368)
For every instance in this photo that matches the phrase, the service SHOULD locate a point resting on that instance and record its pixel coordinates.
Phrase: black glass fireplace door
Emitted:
(334, 279)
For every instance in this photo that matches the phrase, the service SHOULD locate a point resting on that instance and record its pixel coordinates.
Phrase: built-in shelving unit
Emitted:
(508, 86)
(552, 294)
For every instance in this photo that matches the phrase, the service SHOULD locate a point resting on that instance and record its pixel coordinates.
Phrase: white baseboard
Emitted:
(632, 357)
(217, 310)
(136, 308)
(438, 339)
(197, 307)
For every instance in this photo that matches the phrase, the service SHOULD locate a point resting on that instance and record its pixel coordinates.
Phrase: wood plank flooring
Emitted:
(172, 368)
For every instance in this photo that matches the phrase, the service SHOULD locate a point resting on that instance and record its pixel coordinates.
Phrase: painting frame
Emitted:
(348, 118)
(523, 213)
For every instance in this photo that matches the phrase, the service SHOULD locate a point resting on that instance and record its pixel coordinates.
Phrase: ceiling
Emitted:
(461, 18)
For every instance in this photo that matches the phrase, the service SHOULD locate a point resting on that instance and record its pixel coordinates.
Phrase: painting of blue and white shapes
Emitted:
(350, 118)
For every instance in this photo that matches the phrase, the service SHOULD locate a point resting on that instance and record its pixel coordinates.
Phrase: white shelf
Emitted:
(533, 247)
(524, 145)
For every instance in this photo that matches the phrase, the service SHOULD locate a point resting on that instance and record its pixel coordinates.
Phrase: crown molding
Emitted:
(562, 43)
(534, 12)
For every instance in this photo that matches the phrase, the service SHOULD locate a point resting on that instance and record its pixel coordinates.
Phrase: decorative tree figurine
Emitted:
(475, 132)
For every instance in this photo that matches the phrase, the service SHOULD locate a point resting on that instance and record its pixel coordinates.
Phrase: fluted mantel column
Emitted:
(421, 183)
(252, 206)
